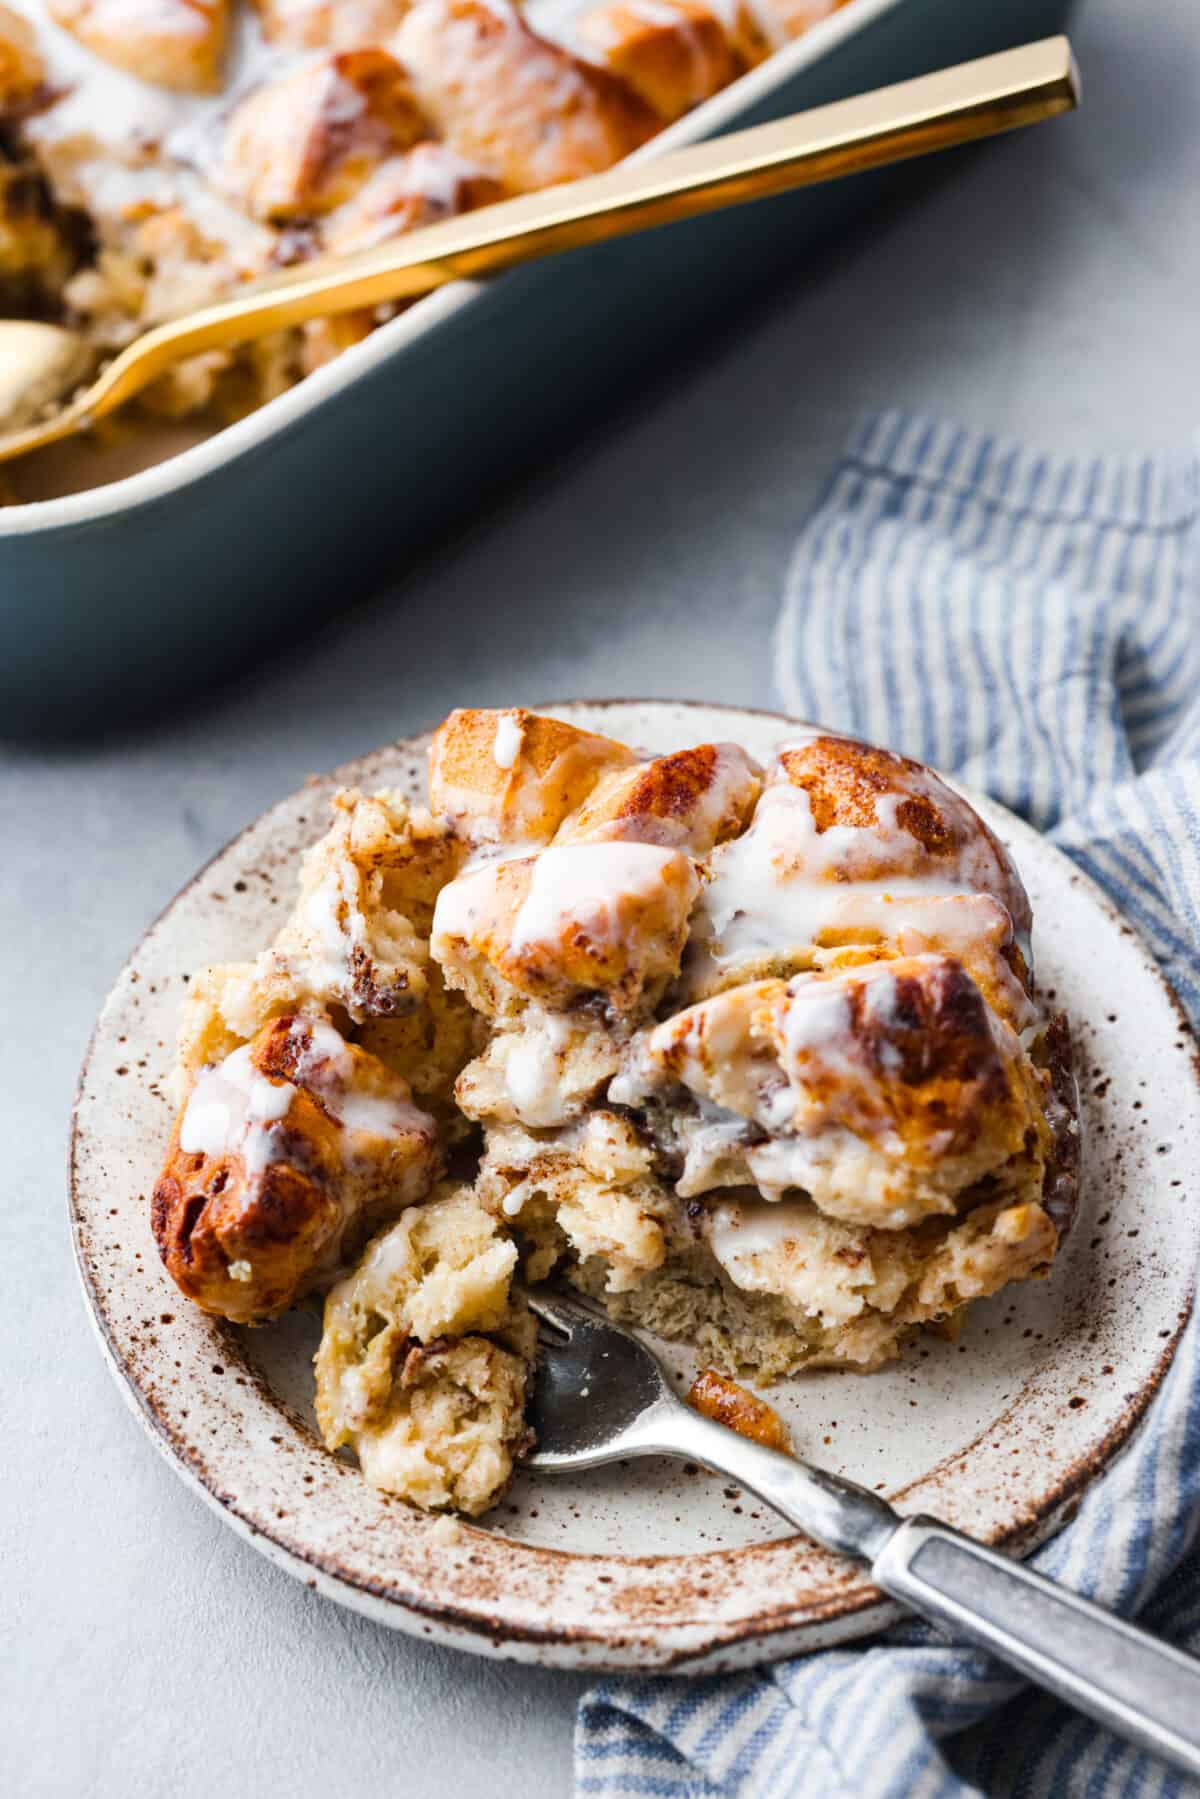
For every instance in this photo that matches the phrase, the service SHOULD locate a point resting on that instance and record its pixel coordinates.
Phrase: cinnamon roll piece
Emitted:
(305, 144)
(524, 109)
(330, 24)
(691, 800)
(431, 182)
(173, 43)
(887, 1093)
(577, 922)
(855, 853)
(673, 53)
(425, 1357)
(287, 1155)
(511, 777)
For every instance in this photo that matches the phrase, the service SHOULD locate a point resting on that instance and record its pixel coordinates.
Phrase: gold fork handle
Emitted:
(955, 106)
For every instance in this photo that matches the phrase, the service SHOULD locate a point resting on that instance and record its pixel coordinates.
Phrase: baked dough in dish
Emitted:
(155, 155)
(754, 1056)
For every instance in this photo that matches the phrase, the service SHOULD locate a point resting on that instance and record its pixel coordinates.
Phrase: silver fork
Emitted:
(600, 1395)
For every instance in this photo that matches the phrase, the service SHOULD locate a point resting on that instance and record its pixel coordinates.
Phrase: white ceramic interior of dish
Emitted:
(661, 1565)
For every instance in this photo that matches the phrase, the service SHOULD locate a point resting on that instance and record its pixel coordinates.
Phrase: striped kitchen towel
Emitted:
(1032, 623)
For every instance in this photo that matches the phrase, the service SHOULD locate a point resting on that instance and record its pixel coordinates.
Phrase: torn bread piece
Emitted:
(511, 777)
(289, 1152)
(521, 107)
(854, 853)
(172, 43)
(673, 53)
(425, 1358)
(355, 946)
(887, 1092)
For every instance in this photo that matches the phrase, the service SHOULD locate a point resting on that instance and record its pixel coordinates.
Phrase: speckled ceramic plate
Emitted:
(660, 1565)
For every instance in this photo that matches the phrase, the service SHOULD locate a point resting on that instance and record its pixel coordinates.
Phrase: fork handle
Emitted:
(1143, 1689)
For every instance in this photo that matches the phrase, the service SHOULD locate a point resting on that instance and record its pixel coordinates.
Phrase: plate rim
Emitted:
(855, 1611)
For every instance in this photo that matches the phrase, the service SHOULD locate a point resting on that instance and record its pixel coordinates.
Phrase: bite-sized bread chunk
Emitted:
(853, 853)
(512, 777)
(430, 1047)
(768, 1289)
(674, 53)
(173, 43)
(691, 801)
(22, 71)
(432, 182)
(330, 24)
(287, 1155)
(357, 935)
(526, 110)
(307, 143)
(355, 945)
(901, 821)
(432, 1406)
(543, 1072)
(605, 921)
(886, 1092)
(591, 1192)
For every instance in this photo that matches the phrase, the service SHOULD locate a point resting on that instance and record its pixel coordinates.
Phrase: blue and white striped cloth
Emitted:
(1033, 623)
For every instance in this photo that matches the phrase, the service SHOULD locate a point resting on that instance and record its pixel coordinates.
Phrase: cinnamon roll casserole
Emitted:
(751, 1055)
(155, 154)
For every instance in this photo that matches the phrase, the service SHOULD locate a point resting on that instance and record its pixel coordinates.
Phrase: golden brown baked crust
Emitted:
(285, 1158)
(21, 68)
(524, 109)
(911, 822)
(174, 43)
(512, 776)
(887, 1091)
(691, 800)
(855, 854)
(584, 920)
(674, 53)
(428, 184)
(308, 143)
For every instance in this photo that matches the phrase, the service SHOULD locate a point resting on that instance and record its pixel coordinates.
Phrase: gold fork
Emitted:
(41, 364)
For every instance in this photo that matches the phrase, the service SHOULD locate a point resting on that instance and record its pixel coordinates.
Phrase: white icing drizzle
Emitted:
(817, 1023)
(586, 883)
(153, 146)
(533, 1064)
(324, 1065)
(582, 884)
(783, 886)
(785, 1248)
(506, 746)
(233, 1109)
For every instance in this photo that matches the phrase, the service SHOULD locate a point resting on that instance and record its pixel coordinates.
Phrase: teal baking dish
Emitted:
(120, 598)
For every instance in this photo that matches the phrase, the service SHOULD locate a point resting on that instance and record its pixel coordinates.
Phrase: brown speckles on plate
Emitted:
(650, 1565)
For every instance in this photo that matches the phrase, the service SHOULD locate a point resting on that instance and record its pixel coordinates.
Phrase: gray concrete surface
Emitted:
(1047, 287)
